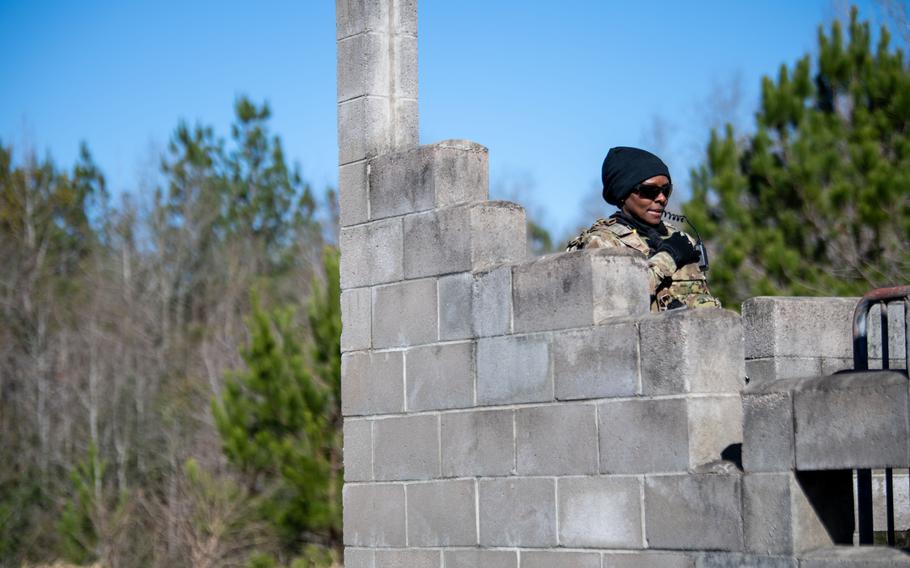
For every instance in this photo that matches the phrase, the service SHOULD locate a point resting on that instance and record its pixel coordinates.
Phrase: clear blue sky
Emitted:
(547, 86)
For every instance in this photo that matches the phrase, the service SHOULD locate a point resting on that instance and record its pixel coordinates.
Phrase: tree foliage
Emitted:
(817, 200)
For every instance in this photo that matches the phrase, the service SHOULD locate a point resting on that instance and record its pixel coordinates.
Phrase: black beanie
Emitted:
(626, 167)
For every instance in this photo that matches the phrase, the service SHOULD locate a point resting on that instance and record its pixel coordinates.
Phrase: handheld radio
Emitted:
(703, 261)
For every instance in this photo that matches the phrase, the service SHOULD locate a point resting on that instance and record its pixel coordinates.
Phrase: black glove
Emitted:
(680, 248)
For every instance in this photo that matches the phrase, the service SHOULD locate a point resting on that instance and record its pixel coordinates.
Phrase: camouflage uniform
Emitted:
(665, 283)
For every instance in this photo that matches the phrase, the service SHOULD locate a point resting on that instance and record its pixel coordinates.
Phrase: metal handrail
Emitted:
(880, 296)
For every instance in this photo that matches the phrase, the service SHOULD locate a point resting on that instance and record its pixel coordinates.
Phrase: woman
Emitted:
(638, 183)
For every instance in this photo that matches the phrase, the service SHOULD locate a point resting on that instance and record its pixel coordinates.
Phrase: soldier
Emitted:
(638, 183)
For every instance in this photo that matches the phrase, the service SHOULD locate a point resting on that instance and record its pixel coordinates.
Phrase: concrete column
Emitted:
(377, 91)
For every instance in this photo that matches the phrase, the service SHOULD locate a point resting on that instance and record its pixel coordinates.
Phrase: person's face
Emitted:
(648, 210)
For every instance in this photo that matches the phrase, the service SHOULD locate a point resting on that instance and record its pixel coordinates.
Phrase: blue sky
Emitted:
(548, 87)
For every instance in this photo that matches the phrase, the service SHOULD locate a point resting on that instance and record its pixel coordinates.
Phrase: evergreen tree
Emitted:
(817, 200)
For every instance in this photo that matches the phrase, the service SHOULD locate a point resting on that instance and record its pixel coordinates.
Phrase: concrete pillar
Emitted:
(377, 91)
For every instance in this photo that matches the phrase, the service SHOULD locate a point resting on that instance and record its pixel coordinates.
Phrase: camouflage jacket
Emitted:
(665, 283)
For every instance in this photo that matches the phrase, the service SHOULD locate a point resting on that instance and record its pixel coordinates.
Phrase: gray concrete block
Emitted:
(715, 424)
(408, 559)
(517, 512)
(478, 443)
(638, 559)
(738, 560)
(798, 327)
(372, 383)
(777, 516)
(358, 450)
(600, 512)
(699, 351)
(513, 369)
(358, 16)
(364, 126)
(406, 447)
(578, 289)
(559, 559)
(451, 172)
(694, 512)
(491, 306)
(481, 559)
(899, 498)
(463, 238)
(371, 253)
(773, 368)
(643, 436)
(353, 194)
(855, 557)
(404, 67)
(440, 376)
(831, 365)
(442, 513)
(542, 434)
(768, 442)
(358, 558)
(405, 314)
(896, 342)
(355, 317)
(357, 70)
(455, 299)
(596, 362)
(835, 429)
(374, 515)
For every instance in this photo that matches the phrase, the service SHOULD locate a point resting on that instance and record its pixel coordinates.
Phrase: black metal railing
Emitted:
(880, 297)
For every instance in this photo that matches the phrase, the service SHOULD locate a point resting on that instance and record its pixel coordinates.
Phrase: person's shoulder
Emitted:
(602, 232)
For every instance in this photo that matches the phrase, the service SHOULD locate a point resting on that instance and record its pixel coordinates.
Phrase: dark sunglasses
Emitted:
(648, 191)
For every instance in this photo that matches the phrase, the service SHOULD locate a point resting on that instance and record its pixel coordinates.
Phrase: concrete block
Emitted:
(353, 194)
(768, 442)
(404, 67)
(578, 289)
(358, 16)
(694, 512)
(355, 318)
(699, 351)
(777, 516)
(405, 314)
(798, 327)
(600, 512)
(835, 429)
(542, 434)
(559, 559)
(372, 383)
(408, 559)
(715, 424)
(440, 376)
(442, 513)
(364, 127)
(358, 558)
(455, 298)
(451, 172)
(896, 342)
(478, 443)
(855, 557)
(899, 498)
(374, 515)
(773, 368)
(358, 450)
(643, 436)
(462, 238)
(517, 512)
(513, 369)
(646, 559)
(371, 253)
(491, 306)
(596, 362)
(738, 560)
(406, 447)
(831, 365)
(357, 70)
(481, 558)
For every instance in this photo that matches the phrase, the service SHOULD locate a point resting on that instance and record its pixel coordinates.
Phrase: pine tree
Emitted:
(817, 200)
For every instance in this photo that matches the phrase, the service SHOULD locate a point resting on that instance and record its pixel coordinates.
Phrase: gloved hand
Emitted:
(680, 248)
